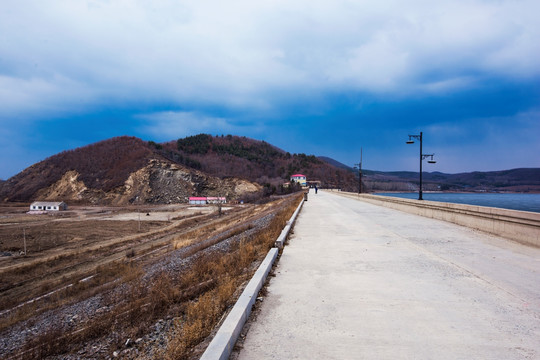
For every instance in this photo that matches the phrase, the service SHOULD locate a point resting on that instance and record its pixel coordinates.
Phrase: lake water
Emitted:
(524, 202)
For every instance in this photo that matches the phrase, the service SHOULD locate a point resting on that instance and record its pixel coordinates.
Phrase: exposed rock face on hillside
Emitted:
(101, 166)
(127, 170)
(160, 182)
(69, 187)
(120, 171)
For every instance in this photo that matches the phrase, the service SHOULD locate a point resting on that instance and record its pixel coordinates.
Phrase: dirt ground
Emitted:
(69, 243)
(76, 259)
(162, 215)
(81, 225)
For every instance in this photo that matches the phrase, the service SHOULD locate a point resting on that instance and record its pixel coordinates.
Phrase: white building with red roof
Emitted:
(197, 200)
(299, 178)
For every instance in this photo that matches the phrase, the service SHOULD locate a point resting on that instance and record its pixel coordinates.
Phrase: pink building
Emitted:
(194, 200)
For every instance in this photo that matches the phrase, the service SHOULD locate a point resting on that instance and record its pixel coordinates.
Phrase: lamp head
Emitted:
(432, 162)
(410, 142)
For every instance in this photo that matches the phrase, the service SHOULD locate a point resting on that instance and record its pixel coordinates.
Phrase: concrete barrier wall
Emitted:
(222, 344)
(521, 226)
(280, 242)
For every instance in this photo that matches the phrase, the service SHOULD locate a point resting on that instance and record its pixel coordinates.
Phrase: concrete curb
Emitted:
(283, 236)
(223, 343)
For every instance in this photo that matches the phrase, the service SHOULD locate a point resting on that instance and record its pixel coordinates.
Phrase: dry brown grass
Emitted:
(43, 236)
(202, 315)
(198, 296)
(38, 275)
(78, 290)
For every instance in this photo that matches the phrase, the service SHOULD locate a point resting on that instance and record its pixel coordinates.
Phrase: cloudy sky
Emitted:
(318, 77)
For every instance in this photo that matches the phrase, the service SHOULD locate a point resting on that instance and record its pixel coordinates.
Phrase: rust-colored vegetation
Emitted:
(195, 297)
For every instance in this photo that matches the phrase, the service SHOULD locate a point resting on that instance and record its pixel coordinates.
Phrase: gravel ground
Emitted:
(71, 316)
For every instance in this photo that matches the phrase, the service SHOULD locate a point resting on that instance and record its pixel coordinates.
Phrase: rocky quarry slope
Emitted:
(159, 182)
(119, 171)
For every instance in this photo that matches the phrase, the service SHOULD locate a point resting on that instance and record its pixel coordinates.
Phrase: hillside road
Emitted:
(359, 281)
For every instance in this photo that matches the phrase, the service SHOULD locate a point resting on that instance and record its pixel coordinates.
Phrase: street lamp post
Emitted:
(422, 157)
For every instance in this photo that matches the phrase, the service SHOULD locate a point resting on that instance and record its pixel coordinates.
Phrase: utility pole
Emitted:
(24, 240)
(360, 173)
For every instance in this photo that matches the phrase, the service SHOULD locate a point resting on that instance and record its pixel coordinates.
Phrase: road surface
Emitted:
(359, 281)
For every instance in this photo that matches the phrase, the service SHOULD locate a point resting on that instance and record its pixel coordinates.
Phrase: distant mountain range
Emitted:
(514, 180)
(126, 170)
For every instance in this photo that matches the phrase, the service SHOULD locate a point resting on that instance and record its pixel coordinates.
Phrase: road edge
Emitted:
(223, 342)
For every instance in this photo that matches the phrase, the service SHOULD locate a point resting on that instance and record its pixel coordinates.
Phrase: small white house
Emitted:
(48, 206)
(299, 178)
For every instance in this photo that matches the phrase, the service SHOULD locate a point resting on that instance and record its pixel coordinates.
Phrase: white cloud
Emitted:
(252, 55)
(486, 144)
(447, 85)
(168, 125)
(33, 96)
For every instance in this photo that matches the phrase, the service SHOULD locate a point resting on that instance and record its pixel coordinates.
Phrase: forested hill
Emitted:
(252, 159)
(104, 165)
(129, 169)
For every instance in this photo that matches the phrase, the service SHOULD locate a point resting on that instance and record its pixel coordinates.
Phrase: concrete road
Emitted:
(358, 281)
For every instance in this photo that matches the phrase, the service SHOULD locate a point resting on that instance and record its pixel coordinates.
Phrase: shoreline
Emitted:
(511, 201)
